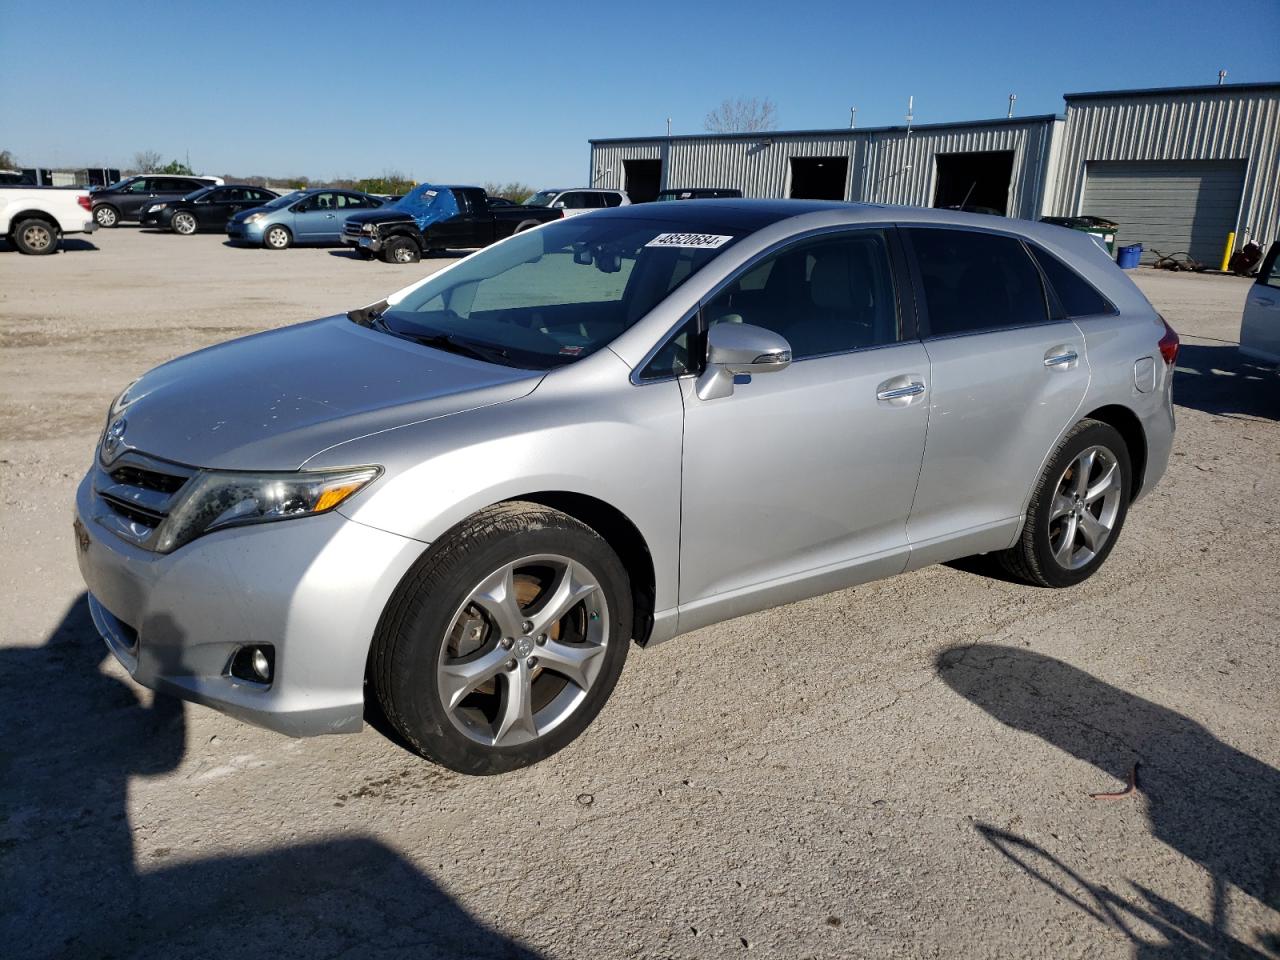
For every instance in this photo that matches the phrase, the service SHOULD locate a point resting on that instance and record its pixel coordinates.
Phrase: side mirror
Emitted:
(737, 349)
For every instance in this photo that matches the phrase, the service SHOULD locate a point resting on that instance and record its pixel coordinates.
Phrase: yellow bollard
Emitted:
(1226, 253)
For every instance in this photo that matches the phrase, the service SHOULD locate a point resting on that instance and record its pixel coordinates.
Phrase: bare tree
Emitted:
(7, 160)
(743, 115)
(147, 161)
(515, 191)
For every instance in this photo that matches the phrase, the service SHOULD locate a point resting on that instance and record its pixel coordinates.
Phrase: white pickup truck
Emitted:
(34, 219)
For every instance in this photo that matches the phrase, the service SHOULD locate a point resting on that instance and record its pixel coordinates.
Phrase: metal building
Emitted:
(1178, 168)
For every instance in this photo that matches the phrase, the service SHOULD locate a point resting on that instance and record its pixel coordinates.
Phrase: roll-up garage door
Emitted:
(1170, 206)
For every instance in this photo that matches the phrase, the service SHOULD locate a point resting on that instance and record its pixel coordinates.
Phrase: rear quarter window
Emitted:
(1076, 295)
(974, 281)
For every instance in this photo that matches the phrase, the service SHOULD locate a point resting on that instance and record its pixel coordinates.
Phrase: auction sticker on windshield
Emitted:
(696, 241)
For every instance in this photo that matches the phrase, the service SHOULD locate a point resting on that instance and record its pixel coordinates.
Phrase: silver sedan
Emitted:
(464, 503)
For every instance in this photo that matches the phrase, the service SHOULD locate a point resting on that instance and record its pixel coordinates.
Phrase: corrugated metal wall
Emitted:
(885, 165)
(901, 169)
(1214, 124)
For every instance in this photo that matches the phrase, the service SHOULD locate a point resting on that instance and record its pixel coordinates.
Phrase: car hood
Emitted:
(274, 400)
(380, 215)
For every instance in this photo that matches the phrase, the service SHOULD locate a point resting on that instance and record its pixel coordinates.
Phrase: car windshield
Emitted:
(284, 201)
(197, 194)
(542, 198)
(548, 297)
(121, 184)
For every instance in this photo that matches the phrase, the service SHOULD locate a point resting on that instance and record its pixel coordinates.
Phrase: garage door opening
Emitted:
(974, 181)
(819, 178)
(642, 179)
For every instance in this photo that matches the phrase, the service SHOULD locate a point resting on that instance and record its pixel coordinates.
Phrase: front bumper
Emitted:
(247, 232)
(314, 588)
(362, 240)
(159, 218)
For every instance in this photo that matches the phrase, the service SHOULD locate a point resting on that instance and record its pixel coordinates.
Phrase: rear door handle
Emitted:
(1061, 358)
(899, 391)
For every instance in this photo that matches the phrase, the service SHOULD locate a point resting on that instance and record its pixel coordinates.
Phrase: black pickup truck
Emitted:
(432, 218)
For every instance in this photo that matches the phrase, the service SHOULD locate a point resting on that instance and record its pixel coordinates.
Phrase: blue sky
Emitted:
(478, 91)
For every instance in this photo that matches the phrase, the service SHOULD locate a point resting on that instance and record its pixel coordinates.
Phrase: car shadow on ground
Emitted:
(1219, 379)
(67, 245)
(74, 740)
(1204, 799)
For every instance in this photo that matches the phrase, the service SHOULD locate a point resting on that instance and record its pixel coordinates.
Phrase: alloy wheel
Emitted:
(37, 237)
(105, 216)
(523, 650)
(1085, 505)
(277, 238)
(184, 223)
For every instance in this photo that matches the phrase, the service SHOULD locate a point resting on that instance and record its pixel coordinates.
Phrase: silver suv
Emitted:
(460, 505)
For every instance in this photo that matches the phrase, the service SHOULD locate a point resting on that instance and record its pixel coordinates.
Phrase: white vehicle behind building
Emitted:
(34, 219)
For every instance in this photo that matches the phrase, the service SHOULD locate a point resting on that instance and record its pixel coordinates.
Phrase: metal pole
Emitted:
(668, 126)
(1222, 76)
(853, 118)
(1013, 98)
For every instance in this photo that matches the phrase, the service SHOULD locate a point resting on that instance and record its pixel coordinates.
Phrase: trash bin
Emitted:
(1129, 256)
(1103, 229)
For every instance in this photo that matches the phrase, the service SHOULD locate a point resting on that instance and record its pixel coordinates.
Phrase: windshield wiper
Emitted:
(446, 342)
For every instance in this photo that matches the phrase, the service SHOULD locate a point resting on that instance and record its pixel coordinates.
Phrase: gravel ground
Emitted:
(903, 769)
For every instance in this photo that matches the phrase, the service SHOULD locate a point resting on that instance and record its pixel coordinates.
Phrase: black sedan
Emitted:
(206, 209)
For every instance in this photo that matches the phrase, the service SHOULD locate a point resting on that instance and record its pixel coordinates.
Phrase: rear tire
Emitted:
(35, 237)
(1077, 509)
(466, 660)
(401, 250)
(277, 238)
(106, 216)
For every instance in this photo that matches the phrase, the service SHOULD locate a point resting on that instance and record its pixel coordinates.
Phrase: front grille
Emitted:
(351, 229)
(136, 493)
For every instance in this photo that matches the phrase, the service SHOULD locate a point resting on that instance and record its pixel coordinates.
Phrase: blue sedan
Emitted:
(304, 216)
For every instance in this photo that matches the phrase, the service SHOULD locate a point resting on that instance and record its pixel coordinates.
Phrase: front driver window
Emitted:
(829, 295)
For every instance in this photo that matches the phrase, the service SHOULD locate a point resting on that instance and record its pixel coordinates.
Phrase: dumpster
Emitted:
(1128, 256)
(1103, 229)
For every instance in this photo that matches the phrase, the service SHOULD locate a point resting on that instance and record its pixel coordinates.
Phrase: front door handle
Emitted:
(1061, 358)
(900, 391)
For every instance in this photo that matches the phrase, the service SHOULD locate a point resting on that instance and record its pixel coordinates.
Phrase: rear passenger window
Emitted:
(830, 295)
(613, 199)
(1077, 296)
(976, 281)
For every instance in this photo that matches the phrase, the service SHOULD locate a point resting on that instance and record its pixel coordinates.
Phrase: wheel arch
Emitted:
(33, 215)
(526, 225)
(1129, 426)
(623, 537)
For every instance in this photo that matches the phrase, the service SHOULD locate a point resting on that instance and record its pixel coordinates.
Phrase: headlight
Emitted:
(254, 217)
(369, 228)
(216, 499)
(154, 207)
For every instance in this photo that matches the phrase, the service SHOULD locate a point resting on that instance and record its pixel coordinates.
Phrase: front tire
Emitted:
(401, 250)
(106, 216)
(277, 238)
(1077, 509)
(35, 237)
(504, 641)
(184, 223)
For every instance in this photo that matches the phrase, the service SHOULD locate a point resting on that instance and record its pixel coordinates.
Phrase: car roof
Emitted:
(567, 189)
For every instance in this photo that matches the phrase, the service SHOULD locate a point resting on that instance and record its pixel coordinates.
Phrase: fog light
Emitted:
(256, 664)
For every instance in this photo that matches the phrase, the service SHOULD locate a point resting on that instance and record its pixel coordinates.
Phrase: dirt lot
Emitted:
(898, 770)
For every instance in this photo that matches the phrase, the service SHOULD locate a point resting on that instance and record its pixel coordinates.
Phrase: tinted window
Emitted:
(140, 186)
(576, 200)
(170, 185)
(259, 196)
(221, 195)
(1269, 274)
(679, 355)
(613, 199)
(976, 281)
(825, 296)
(1077, 297)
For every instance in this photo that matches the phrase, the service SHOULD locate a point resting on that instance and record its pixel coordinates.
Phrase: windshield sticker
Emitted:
(694, 241)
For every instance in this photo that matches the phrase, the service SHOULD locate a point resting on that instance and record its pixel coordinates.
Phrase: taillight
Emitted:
(1169, 343)
(85, 202)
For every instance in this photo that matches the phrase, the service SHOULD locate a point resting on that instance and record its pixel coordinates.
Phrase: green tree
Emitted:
(391, 181)
(176, 167)
(514, 191)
